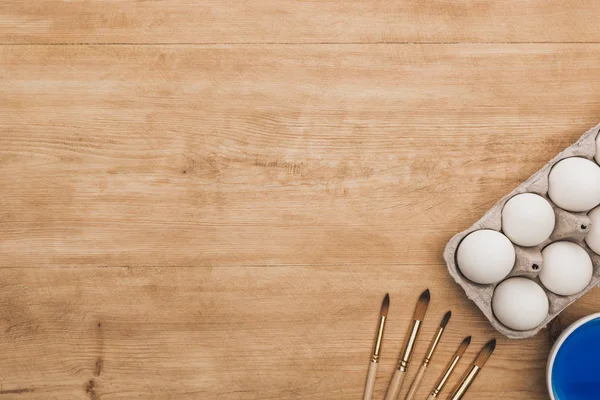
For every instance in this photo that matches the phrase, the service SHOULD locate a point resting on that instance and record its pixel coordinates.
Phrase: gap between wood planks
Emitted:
(289, 43)
(302, 265)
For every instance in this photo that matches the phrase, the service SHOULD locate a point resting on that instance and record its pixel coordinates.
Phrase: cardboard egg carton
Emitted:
(569, 226)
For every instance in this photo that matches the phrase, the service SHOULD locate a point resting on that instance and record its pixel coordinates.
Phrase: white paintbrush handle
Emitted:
(415, 385)
(395, 385)
(370, 381)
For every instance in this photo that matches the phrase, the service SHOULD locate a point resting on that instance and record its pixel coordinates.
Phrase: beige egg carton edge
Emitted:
(569, 226)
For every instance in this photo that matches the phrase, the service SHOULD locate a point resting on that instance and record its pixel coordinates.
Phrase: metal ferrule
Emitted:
(444, 379)
(433, 345)
(466, 382)
(410, 346)
(378, 340)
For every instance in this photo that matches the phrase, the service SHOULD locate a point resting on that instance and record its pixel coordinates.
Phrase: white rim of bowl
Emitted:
(557, 345)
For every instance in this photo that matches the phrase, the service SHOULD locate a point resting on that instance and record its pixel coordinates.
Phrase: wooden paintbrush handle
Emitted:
(431, 397)
(370, 381)
(415, 385)
(395, 385)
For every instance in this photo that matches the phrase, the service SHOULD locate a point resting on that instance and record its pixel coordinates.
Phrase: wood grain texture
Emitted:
(238, 333)
(187, 156)
(294, 21)
(199, 219)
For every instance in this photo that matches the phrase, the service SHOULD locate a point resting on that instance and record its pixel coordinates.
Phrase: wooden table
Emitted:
(208, 199)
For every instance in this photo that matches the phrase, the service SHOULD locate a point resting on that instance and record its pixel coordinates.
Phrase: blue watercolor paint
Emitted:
(576, 368)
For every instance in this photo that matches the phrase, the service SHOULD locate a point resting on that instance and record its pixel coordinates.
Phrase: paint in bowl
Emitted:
(573, 370)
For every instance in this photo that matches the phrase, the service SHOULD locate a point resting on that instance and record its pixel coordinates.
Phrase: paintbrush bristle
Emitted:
(422, 305)
(385, 305)
(463, 346)
(485, 353)
(445, 319)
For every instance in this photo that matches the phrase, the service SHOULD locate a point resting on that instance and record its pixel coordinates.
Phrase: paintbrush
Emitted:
(468, 378)
(385, 305)
(450, 368)
(409, 346)
(432, 346)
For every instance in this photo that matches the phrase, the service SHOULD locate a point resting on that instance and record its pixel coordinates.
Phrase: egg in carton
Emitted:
(529, 262)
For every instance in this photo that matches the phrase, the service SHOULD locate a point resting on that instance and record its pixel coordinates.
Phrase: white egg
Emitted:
(574, 184)
(597, 156)
(520, 304)
(593, 237)
(485, 256)
(567, 268)
(527, 219)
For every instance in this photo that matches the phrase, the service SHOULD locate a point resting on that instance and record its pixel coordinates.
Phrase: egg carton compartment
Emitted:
(569, 226)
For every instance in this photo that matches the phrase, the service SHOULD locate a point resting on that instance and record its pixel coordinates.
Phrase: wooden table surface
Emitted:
(208, 199)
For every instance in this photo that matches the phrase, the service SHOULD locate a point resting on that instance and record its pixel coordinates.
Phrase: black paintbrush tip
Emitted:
(485, 353)
(463, 346)
(445, 319)
(385, 305)
(422, 305)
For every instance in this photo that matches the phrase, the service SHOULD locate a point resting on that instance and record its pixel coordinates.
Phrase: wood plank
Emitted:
(293, 21)
(266, 155)
(237, 333)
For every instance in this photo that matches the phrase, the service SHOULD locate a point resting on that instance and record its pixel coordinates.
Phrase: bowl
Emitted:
(573, 369)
